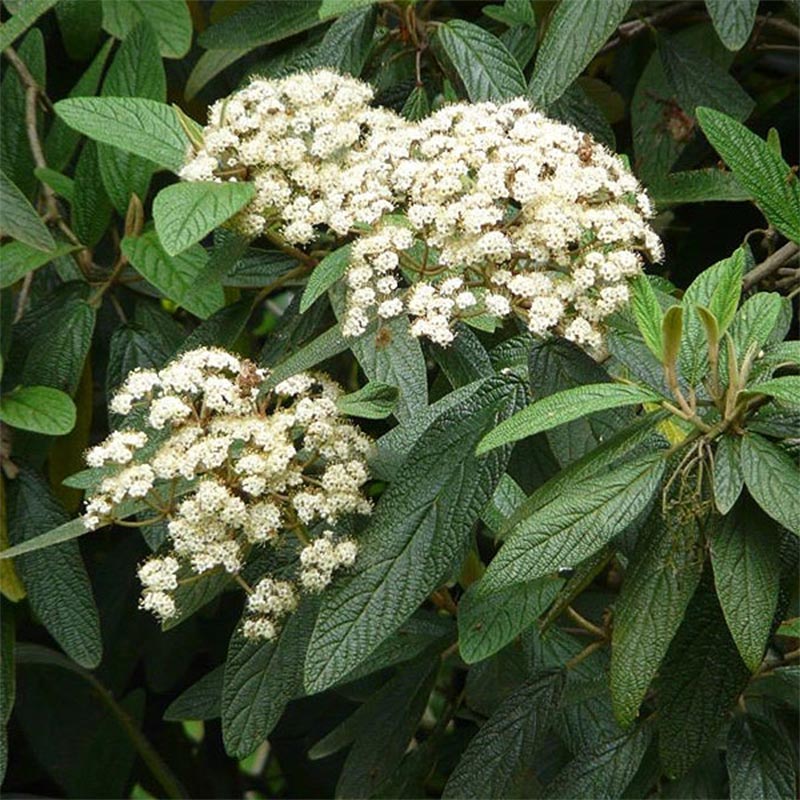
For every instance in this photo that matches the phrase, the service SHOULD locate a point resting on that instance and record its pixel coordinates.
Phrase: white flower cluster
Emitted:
(478, 210)
(257, 464)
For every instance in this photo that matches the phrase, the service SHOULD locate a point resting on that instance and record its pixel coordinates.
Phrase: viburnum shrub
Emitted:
(399, 441)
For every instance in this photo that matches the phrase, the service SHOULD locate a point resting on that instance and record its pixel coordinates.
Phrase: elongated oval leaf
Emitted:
(416, 537)
(773, 478)
(577, 30)
(758, 169)
(185, 212)
(576, 523)
(728, 477)
(487, 69)
(19, 219)
(18, 259)
(733, 21)
(144, 127)
(324, 275)
(38, 408)
(786, 388)
(564, 407)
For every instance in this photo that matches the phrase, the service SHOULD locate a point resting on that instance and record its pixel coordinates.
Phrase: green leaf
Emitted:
(391, 717)
(756, 323)
(700, 679)
(663, 573)
(696, 186)
(760, 760)
(325, 346)
(575, 107)
(555, 365)
(773, 478)
(728, 477)
(373, 401)
(648, 314)
(507, 742)
(261, 678)
(733, 21)
(786, 388)
(347, 42)
(507, 498)
(764, 174)
(91, 207)
(331, 269)
(202, 700)
(143, 127)
(487, 69)
(697, 80)
(564, 407)
(57, 584)
(60, 184)
(250, 27)
(27, 13)
(417, 105)
(136, 71)
(18, 218)
(208, 66)
(170, 20)
(416, 537)
(185, 212)
(745, 554)
(19, 259)
(572, 524)
(79, 24)
(602, 770)
(175, 276)
(577, 30)
(222, 328)
(39, 409)
(487, 623)
(718, 289)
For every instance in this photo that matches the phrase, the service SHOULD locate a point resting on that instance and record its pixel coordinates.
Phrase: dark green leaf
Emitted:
(697, 186)
(91, 207)
(745, 554)
(575, 107)
(170, 20)
(347, 42)
(786, 389)
(773, 478)
(577, 30)
(58, 587)
(202, 700)
(417, 105)
(19, 259)
(728, 477)
(487, 69)
(27, 13)
(733, 21)
(648, 313)
(417, 536)
(18, 218)
(507, 741)
(324, 275)
(373, 401)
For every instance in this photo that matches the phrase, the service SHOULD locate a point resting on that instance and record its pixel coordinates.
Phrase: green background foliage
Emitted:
(580, 579)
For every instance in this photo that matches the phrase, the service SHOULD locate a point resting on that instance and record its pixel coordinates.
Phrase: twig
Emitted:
(779, 24)
(769, 265)
(628, 30)
(585, 624)
(27, 282)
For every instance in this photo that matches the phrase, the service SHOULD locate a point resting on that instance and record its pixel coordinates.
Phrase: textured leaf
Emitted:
(574, 523)
(250, 27)
(507, 741)
(133, 347)
(27, 13)
(760, 759)
(603, 771)
(663, 573)
(733, 21)
(19, 219)
(564, 407)
(91, 207)
(175, 276)
(557, 364)
(347, 42)
(417, 105)
(487, 623)
(222, 328)
(697, 186)
(208, 66)
(202, 700)
(261, 678)
(487, 69)
(773, 478)
(648, 314)
(728, 477)
(745, 554)
(417, 535)
(18, 259)
(58, 587)
(325, 346)
(143, 127)
(390, 717)
(373, 401)
(170, 20)
(136, 71)
(577, 30)
(39, 409)
(700, 679)
(185, 212)
(79, 24)
(324, 275)
(757, 168)
(786, 389)
(697, 80)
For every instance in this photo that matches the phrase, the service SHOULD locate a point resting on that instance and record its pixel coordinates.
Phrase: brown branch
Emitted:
(770, 265)
(632, 28)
